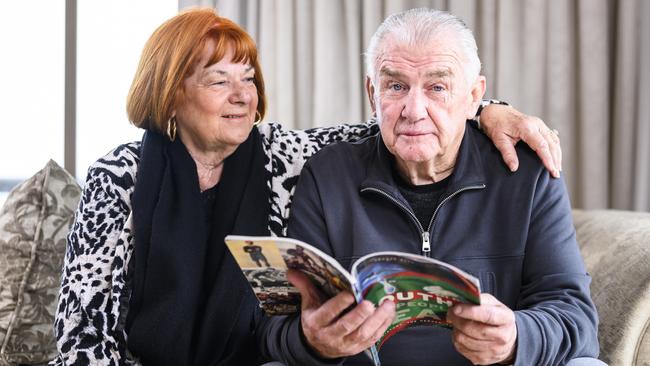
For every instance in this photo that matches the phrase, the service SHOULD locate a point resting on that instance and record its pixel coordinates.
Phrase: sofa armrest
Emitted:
(616, 248)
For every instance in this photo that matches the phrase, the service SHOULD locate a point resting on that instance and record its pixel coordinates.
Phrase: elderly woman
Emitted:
(147, 278)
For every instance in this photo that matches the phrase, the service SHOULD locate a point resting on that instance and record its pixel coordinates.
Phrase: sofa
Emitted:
(38, 213)
(615, 246)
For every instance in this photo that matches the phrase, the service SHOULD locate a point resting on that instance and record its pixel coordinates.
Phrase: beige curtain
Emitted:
(581, 65)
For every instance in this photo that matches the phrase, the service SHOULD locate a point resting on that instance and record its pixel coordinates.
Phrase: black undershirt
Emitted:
(423, 199)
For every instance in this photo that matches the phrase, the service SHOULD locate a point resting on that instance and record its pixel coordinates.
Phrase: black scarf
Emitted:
(190, 304)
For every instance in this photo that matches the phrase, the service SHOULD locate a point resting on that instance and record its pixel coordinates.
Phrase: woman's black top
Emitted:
(190, 303)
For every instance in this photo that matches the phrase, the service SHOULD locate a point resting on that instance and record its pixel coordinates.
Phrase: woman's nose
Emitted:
(240, 94)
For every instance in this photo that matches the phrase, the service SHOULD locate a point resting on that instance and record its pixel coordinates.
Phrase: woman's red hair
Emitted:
(171, 55)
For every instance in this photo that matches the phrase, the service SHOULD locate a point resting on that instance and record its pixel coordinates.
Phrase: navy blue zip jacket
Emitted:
(511, 230)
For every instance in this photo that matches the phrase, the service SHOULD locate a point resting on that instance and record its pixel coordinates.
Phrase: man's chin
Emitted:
(417, 153)
(415, 156)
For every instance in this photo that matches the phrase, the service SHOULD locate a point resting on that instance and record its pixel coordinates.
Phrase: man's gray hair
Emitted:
(417, 27)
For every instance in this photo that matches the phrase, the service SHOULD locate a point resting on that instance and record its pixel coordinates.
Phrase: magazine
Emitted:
(422, 288)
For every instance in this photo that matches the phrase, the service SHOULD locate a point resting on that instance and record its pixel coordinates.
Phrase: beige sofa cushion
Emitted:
(34, 222)
(616, 249)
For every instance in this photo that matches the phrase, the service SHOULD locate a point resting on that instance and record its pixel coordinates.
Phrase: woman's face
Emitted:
(218, 110)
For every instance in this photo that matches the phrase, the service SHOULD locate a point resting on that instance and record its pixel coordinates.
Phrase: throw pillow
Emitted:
(34, 223)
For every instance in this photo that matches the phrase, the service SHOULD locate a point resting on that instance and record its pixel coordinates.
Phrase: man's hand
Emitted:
(334, 334)
(506, 126)
(486, 333)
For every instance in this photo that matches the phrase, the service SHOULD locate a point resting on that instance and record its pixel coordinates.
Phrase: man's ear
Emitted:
(476, 95)
(370, 89)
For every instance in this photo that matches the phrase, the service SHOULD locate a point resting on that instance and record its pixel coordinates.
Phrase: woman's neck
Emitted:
(209, 163)
(208, 178)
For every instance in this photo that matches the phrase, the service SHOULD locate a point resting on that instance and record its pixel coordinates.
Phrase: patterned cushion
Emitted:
(616, 248)
(34, 223)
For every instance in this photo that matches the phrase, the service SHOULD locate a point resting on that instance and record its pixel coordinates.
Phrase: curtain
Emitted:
(580, 65)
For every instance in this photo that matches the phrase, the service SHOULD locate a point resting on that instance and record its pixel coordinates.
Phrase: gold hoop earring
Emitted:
(258, 118)
(171, 128)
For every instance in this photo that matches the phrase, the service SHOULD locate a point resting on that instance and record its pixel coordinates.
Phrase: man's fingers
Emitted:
(322, 312)
(469, 342)
(489, 299)
(486, 333)
(353, 319)
(311, 297)
(480, 331)
(349, 334)
(472, 328)
(491, 311)
(382, 329)
(379, 332)
(484, 314)
(332, 309)
(382, 317)
(497, 345)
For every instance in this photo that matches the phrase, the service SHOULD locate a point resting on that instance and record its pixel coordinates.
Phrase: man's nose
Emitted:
(415, 105)
(239, 93)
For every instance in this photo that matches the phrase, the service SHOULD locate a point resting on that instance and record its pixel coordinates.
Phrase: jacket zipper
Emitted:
(426, 244)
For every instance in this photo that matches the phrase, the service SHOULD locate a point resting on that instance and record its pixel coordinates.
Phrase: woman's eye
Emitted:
(218, 82)
(438, 88)
(250, 79)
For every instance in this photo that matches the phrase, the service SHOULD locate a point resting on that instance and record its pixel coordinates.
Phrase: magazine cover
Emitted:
(423, 289)
(265, 261)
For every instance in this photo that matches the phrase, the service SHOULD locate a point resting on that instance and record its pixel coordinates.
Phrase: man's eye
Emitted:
(438, 88)
(396, 87)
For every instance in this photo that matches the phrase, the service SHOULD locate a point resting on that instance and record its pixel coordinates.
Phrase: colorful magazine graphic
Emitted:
(423, 289)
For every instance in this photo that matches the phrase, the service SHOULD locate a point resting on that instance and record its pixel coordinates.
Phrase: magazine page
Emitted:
(265, 261)
(423, 289)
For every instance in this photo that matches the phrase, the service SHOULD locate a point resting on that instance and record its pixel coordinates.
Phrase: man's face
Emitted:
(422, 99)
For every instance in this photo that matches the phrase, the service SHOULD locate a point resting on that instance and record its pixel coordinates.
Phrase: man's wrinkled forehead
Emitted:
(427, 73)
(439, 73)
(438, 50)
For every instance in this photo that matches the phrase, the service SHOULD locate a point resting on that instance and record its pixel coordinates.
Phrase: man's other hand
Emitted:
(485, 334)
(330, 330)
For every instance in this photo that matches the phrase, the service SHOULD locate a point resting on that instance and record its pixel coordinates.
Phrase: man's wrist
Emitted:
(485, 103)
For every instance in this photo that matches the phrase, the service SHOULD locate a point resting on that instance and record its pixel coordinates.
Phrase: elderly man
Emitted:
(432, 183)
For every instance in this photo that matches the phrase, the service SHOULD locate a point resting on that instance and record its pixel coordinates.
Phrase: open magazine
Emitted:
(422, 288)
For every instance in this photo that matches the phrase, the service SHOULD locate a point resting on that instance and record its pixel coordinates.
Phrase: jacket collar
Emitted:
(469, 170)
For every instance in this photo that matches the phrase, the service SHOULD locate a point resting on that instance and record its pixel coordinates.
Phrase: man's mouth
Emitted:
(415, 133)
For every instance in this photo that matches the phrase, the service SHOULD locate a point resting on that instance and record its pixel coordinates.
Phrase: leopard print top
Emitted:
(94, 296)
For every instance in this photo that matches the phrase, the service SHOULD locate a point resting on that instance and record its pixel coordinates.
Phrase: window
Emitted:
(110, 37)
(32, 35)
